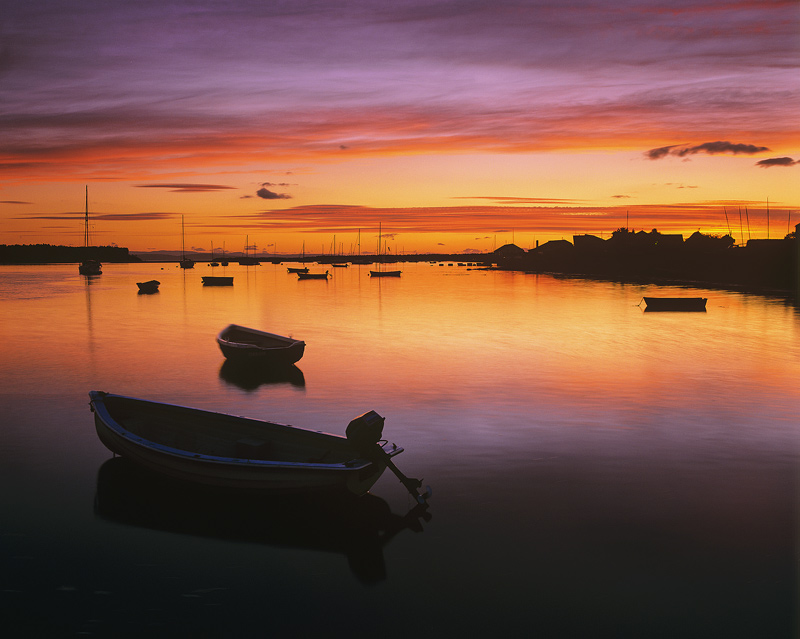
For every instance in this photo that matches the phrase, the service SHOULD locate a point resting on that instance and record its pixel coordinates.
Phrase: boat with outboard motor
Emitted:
(227, 451)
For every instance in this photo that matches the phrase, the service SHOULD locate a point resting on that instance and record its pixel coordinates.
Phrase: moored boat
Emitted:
(380, 272)
(151, 286)
(222, 450)
(217, 280)
(297, 269)
(88, 266)
(184, 262)
(313, 276)
(385, 273)
(247, 258)
(695, 304)
(240, 343)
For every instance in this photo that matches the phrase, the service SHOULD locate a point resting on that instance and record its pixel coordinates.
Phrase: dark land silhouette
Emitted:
(53, 254)
(652, 257)
(764, 265)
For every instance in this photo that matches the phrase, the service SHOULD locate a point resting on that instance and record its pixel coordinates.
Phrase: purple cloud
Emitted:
(769, 162)
(710, 148)
(271, 195)
(186, 188)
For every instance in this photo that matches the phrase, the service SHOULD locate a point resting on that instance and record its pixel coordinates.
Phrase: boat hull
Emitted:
(355, 475)
(215, 280)
(242, 344)
(385, 273)
(682, 304)
(90, 267)
(151, 286)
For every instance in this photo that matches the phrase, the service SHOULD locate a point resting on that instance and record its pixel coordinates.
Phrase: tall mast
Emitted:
(86, 220)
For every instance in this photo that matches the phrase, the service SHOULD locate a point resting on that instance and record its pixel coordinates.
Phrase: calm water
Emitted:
(596, 470)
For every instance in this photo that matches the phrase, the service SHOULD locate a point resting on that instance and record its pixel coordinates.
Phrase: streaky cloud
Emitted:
(710, 148)
(186, 188)
(539, 201)
(769, 162)
(713, 148)
(108, 217)
(266, 194)
(661, 152)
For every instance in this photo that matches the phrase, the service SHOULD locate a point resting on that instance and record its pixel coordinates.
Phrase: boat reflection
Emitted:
(357, 527)
(250, 375)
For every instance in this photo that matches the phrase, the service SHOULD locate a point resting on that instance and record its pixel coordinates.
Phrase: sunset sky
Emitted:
(456, 125)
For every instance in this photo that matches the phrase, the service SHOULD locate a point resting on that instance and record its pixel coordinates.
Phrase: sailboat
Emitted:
(301, 269)
(248, 260)
(185, 261)
(213, 262)
(88, 267)
(380, 272)
(223, 261)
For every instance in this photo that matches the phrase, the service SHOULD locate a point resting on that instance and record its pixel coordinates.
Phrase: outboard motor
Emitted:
(365, 431)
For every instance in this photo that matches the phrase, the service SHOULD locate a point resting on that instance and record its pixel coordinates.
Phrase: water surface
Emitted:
(596, 469)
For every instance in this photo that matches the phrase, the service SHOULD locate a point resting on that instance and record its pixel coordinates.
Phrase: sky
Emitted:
(451, 125)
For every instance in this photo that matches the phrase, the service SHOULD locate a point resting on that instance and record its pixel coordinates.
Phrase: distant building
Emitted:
(509, 251)
(554, 247)
(590, 243)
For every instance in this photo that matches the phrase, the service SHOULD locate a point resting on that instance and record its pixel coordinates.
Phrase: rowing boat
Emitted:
(226, 451)
(217, 280)
(150, 286)
(240, 343)
(313, 276)
(696, 304)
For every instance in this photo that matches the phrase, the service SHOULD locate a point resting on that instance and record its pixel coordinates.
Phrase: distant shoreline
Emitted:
(763, 266)
(21, 254)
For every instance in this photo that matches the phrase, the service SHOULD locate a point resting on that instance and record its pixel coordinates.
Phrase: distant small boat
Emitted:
(686, 304)
(313, 276)
(239, 343)
(185, 262)
(217, 280)
(247, 259)
(88, 267)
(340, 265)
(295, 269)
(380, 272)
(213, 262)
(222, 450)
(151, 286)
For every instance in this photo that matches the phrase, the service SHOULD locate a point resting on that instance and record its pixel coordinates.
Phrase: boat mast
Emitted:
(86, 221)
(183, 241)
